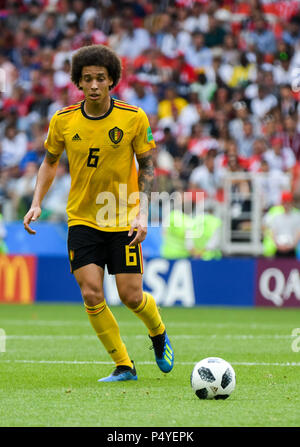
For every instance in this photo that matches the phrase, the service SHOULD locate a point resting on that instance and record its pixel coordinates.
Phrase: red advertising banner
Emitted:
(17, 279)
(277, 283)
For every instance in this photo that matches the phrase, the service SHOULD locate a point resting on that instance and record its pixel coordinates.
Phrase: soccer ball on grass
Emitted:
(213, 378)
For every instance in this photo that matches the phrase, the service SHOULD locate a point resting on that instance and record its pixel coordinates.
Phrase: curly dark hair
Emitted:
(98, 55)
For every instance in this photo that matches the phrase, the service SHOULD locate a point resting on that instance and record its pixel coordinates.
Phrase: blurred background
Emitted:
(220, 83)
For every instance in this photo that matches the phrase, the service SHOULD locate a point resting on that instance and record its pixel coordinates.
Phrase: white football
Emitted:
(213, 378)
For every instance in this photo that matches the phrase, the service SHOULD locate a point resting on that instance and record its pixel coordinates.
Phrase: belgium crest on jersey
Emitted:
(116, 135)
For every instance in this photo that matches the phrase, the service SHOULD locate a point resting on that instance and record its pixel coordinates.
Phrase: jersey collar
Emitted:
(97, 117)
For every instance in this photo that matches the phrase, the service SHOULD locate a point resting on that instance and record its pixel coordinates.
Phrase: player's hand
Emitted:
(139, 224)
(32, 215)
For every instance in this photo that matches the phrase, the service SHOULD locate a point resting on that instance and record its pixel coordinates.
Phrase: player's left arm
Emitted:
(145, 183)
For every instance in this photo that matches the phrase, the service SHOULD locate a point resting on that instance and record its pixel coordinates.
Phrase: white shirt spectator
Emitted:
(187, 118)
(286, 160)
(282, 76)
(172, 44)
(285, 226)
(271, 184)
(198, 58)
(61, 79)
(24, 185)
(206, 180)
(261, 106)
(133, 45)
(200, 23)
(13, 149)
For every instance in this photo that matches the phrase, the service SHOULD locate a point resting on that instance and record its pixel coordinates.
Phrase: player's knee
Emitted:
(92, 295)
(131, 296)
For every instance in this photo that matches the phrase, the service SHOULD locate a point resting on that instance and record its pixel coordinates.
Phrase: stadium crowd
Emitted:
(218, 80)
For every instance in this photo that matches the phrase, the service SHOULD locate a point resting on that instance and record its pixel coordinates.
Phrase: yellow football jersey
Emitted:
(104, 178)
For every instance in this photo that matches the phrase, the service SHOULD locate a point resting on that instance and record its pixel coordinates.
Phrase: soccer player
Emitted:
(108, 201)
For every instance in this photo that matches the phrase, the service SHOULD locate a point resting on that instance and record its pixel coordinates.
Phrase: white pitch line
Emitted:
(4, 322)
(174, 337)
(95, 362)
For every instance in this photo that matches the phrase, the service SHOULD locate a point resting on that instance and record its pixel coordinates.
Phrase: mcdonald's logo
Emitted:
(17, 279)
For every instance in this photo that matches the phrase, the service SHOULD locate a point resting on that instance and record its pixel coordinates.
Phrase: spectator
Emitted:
(51, 35)
(13, 147)
(242, 73)
(206, 177)
(287, 102)
(205, 242)
(270, 127)
(280, 157)
(240, 203)
(204, 89)
(291, 136)
(263, 39)
(117, 33)
(23, 188)
(197, 54)
(171, 105)
(10, 74)
(134, 41)
(282, 68)
(61, 102)
(281, 228)
(271, 184)
(143, 97)
(215, 34)
(197, 19)
(55, 202)
(169, 143)
(63, 54)
(61, 77)
(263, 103)
(190, 114)
(231, 153)
(291, 34)
(27, 66)
(175, 41)
(240, 114)
(150, 69)
(230, 53)
(35, 148)
(259, 149)
(245, 143)
(200, 143)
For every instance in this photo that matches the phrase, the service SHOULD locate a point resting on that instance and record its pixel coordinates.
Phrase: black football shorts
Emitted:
(87, 245)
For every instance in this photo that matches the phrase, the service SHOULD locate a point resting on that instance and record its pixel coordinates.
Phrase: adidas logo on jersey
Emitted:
(76, 137)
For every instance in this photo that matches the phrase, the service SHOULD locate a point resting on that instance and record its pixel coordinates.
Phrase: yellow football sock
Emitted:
(107, 330)
(148, 312)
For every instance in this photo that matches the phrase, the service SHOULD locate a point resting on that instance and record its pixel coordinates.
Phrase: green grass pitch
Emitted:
(53, 359)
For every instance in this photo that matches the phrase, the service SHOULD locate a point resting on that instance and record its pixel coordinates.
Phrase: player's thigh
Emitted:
(130, 288)
(90, 280)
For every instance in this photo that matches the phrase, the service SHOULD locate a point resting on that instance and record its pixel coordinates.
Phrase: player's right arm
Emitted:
(44, 180)
(54, 145)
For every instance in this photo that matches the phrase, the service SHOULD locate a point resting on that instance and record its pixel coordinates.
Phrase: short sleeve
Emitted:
(54, 142)
(143, 140)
